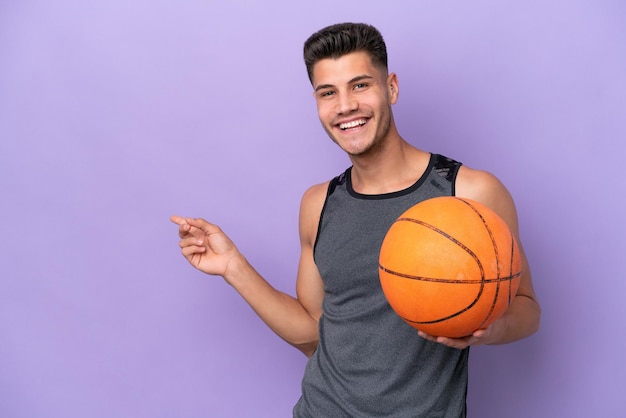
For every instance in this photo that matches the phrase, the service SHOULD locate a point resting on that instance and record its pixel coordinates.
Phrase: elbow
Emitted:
(532, 321)
(536, 323)
(307, 348)
(531, 312)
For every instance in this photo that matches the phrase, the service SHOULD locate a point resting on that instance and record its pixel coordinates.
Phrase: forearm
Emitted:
(519, 321)
(284, 314)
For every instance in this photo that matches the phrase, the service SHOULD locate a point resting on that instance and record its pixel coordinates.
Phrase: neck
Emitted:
(394, 167)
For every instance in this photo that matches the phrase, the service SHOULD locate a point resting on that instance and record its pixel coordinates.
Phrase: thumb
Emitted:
(206, 227)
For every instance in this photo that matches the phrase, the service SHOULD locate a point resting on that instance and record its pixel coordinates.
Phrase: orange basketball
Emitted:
(449, 266)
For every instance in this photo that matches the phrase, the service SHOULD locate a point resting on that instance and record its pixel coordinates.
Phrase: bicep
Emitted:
(487, 189)
(309, 284)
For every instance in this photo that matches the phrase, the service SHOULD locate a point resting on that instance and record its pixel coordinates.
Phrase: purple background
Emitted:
(115, 115)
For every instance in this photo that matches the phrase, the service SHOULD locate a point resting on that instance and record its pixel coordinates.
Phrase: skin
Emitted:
(354, 100)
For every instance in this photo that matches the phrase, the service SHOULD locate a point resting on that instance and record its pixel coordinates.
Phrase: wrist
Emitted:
(235, 269)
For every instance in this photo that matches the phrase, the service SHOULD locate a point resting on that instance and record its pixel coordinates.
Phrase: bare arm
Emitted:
(295, 320)
(523, 315)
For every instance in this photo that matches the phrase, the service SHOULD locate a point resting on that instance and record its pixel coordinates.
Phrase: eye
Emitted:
(360, 86)
(325, 93)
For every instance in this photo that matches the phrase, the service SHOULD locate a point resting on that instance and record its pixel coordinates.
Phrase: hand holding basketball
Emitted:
(479, 337)
(205, 245)
(450, 267)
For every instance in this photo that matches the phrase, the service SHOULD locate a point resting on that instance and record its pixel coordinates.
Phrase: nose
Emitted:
(346, 104)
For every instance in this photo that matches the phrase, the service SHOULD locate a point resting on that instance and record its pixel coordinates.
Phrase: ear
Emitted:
(392, 88)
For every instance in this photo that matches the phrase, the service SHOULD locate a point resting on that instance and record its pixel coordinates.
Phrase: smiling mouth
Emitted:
(352, 124)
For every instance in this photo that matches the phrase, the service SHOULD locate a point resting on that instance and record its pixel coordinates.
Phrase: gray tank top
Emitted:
(369, 362)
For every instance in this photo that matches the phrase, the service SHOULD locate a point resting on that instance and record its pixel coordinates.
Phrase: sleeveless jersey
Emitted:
(369, 362)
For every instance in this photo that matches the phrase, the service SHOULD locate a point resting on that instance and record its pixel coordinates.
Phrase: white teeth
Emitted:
(352, 124)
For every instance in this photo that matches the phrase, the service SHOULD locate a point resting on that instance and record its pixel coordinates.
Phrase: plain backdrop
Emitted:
(116, 114)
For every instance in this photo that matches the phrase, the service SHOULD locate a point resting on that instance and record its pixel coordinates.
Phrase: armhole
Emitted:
(455, 172)
(448, 169)
(331, 188)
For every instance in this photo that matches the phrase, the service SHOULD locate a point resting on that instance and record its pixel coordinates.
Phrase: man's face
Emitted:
(354, 100)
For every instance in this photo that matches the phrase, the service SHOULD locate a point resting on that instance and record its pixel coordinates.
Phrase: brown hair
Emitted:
(343, 38)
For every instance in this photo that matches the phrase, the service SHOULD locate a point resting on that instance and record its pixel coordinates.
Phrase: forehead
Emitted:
(337, 71)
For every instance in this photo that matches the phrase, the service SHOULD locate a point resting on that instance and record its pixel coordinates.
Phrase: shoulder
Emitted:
(315, 196)
(476, 184)
(311, 209)
(484, 187)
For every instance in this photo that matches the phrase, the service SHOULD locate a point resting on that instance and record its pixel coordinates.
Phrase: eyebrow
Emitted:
(353, 80)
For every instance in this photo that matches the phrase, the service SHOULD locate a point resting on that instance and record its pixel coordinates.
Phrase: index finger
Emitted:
(183, 225)
(178, 220)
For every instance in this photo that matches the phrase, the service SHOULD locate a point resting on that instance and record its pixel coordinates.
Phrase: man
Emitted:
(364, 360)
